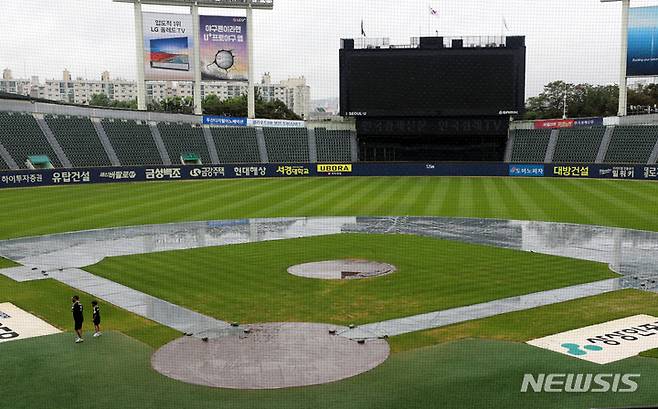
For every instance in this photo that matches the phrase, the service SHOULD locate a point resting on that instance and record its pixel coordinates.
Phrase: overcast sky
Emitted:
(574, 40)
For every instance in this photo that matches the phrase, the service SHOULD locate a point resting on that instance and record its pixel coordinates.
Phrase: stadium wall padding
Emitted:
(77, 176)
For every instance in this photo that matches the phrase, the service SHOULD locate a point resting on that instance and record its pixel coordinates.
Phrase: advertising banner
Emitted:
(642, 58)
(223, 42)
(59, 177)
(567, 123)
(224, 120)
(526, 170)
(276, 123)
(16, 324)
(605, 343)
(168, 47)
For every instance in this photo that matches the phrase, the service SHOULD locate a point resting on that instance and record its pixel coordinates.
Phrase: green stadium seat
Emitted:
(78, 139)
(333, 146)
(133, 142)
(183, 138)
(21, 136)
(285, 145)
(631, 144)
(530, 145)
(236, 144)
(578, 145)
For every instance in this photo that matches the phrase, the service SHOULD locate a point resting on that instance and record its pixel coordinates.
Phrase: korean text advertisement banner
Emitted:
(223, 42)
(168, 47)
(642, 58)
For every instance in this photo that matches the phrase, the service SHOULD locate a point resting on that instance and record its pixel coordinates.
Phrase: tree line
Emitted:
(211, 105)
(587, 100)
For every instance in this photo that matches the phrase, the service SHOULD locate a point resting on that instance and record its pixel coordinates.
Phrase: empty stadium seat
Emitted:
(333, 146)
(286, 145)
(133, 142)
(183, 138)
(530, 145)
(578, 145)
(236, 144)
(631, 144)
(78, 139)
(21, 136)
(4, 165)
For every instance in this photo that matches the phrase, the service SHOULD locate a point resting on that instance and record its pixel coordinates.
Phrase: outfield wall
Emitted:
(60, 177)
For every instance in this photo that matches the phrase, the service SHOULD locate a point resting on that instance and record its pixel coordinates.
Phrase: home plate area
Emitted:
(269, 356)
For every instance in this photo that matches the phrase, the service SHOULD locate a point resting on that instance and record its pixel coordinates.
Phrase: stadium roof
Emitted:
(238, 4)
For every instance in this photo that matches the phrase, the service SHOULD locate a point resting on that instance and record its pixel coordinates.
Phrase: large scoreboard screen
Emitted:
(443, 82)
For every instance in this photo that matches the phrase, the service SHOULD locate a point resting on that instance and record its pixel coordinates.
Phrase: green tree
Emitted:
(237, 107)
(99, 100)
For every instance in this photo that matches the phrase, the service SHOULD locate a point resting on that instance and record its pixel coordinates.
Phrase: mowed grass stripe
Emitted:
(616, 204)
(518, 209)
(533, 208)
(494, 201)
(341, 197)
(563, 207)
(436, 197)
(451, 206)
(408, 197)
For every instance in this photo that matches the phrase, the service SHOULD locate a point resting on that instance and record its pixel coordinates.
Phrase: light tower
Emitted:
(248, 5)
(623, 91)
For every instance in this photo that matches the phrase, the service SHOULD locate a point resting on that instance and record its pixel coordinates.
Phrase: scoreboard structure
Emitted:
(436, 99)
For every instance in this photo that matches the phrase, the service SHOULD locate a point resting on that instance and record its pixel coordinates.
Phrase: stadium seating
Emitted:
(530, 145)
(3, 165)
(333, 146)
(632, 144)
(578, 145)
(133, 142)
(78, 139)
(285, 145)
(180, 139)
(21, 136)
(236, 145)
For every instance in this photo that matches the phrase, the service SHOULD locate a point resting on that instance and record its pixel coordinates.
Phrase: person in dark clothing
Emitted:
(96, 315)
(78, 318)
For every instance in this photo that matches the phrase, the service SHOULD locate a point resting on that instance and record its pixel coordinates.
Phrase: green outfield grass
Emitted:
(249, 282)
(34, 211)
(114, 371)
(51, 301)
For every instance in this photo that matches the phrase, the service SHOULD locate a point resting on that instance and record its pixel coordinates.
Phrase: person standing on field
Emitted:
(96, 316)
(78, 318)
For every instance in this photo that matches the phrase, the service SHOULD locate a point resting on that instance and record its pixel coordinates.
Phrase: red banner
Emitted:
(554, 123)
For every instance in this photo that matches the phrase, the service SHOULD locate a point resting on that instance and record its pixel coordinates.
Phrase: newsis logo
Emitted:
(579, 383)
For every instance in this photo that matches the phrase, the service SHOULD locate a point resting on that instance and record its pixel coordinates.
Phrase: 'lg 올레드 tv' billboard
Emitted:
(642, 58)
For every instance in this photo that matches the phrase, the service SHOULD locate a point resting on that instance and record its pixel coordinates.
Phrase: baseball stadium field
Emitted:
(248, 283)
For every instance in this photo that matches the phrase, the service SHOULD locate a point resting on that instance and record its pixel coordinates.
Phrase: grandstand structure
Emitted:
(74, 137)
(612, 144)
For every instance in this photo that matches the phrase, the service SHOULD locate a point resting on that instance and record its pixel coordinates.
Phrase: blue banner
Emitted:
(585, 122)
(642, 58)
(224, 120)
(526, 170)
